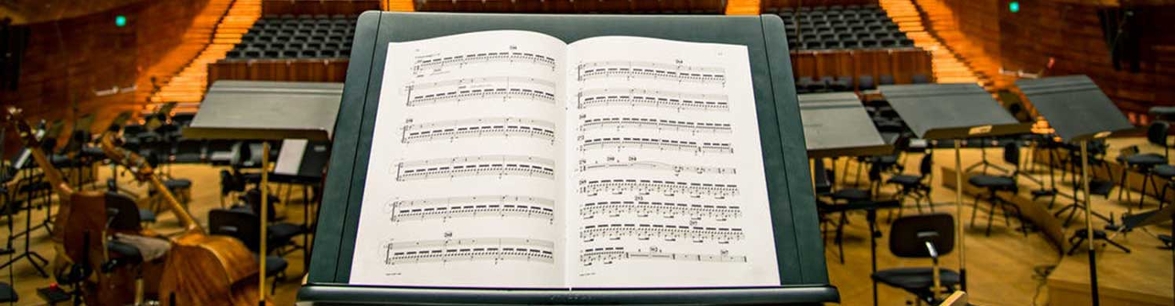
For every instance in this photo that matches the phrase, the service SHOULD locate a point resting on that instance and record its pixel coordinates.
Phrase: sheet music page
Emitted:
(464, 182)
(667, 186)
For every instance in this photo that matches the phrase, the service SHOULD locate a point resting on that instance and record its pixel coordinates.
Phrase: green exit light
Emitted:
(1014, 6)
(120, 21)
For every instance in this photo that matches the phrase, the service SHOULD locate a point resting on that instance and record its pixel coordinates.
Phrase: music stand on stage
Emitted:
(835, 125)
(255, 110)
(1079, 111)
(956, 112)
(802, 270)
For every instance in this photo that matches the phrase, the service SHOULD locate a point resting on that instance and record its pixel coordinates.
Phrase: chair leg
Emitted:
(1142, 195)
(990, 215)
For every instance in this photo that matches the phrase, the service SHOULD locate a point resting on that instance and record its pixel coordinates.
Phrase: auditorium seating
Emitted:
(841, 27)
(297, 37)
(577, 7)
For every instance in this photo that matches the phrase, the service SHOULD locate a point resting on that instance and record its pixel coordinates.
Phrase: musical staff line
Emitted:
(669, 209)
(651, 70)
(610, 255)
(655, 165)
(470, 81)
(500, 165)
(477, 128)
(655, 124)
(655, 143)
(505, 93)
(487, 57)
(472, 206)
(653, 98)
(644, 186)
(668, 232)
(472, 249)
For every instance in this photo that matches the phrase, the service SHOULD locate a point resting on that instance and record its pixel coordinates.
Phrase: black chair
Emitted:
(885, 79)
(842, 83)
(246, 227)
(806, 84)
(921, 236)
(865, 82)
(826, 82)
(997, 183)
(917, 186)
(281, 234)
(1156, 133)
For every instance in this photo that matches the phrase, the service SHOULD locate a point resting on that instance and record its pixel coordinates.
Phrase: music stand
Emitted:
(836, 124)
(803, 273)
(956, 112)
(1079, 111)
(257, 110)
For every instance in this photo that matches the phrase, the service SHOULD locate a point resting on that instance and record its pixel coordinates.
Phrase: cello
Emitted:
(201, 269)
(79, 238)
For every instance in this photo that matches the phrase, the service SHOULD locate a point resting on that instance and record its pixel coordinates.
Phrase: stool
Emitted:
(1144, 164)
(995, 184)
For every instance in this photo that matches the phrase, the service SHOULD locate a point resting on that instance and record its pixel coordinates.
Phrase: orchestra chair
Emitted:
(1097, 187)
(246, 227)
(849, 196)
(822, 181)
(916, 187)
(1145, 163)
(7, 294)
(281, 234)
(921, 236)
(996, 183)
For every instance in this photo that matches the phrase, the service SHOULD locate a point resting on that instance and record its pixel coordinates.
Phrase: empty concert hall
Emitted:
(587, 152)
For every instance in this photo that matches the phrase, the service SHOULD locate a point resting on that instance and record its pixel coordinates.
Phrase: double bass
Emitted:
(201, 269)
(80, 231)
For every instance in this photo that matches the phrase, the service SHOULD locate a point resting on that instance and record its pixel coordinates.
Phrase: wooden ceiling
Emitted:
(34, 11)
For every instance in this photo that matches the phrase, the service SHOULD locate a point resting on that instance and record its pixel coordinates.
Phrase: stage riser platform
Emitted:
(1035, 212)
(1133, 178)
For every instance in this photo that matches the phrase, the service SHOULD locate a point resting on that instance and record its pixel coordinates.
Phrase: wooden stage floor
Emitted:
(1004, 269)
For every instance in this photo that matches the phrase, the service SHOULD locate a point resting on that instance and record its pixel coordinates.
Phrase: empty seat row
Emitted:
(294, 46)
(288, 54)
(846, 36)
(853, 44)
(822, 8)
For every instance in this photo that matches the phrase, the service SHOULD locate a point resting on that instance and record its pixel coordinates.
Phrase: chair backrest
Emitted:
(909, 234)
(1156, 132)
(242, 225)
(820, 176)
(128, 218)
(1012, 153)
(925, 167)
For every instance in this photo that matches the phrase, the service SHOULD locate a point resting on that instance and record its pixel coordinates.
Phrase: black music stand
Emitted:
(1079, 111)
(258, 110)
(956, 112)
(836, 124)
(803, 274)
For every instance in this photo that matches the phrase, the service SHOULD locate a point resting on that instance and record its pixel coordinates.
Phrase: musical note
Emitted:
(655, 165)
(652, 70)
(472, 206)
(655, 143)
(653, 208)
(610, 255)
(656, 124)
(487, 57)
(645, 186)
(668, 232)
(478, 128)
(653, 98)
(500, 165)
(470, 249)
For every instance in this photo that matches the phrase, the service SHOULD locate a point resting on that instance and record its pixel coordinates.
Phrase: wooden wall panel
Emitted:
(902, 64)
(69, 63)
(1071, 34)
(970, 29)
(318, 7)
(279, 70)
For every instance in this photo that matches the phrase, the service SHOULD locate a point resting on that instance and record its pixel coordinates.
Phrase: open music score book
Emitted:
(511, 159)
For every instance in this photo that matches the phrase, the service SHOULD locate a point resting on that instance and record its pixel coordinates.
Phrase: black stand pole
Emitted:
(871, 216)
(1089, 223)
(28, 252)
